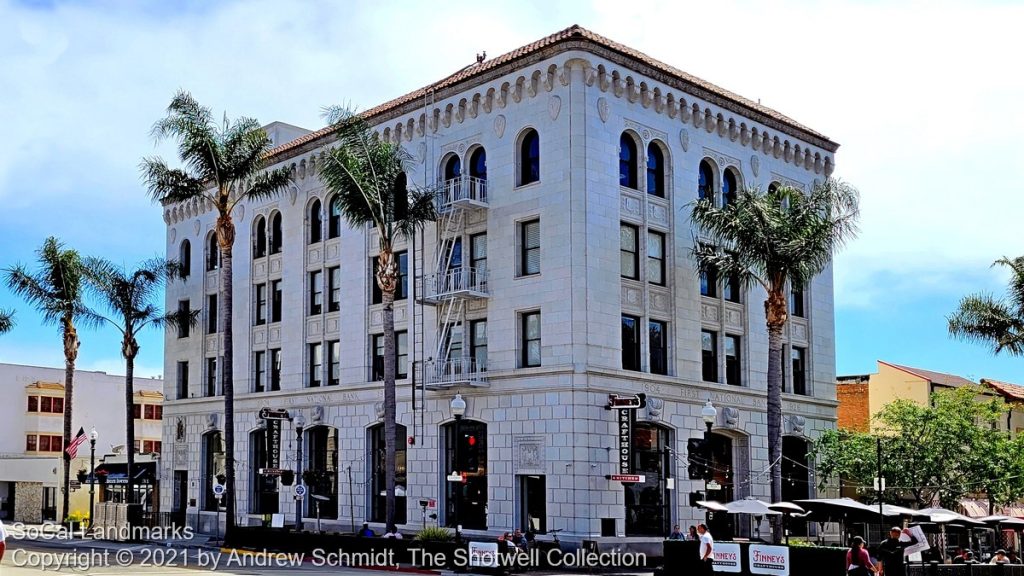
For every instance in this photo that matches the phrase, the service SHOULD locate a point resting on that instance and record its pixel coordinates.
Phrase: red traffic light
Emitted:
(471, 440)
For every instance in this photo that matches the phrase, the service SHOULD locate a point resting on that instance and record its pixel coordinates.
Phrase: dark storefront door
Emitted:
(49, 504)
(648, 503)
(180, 499)
(533, 502)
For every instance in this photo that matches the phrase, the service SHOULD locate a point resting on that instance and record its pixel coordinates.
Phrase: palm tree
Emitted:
(55, 290)
(997, 322)
(775, 239)
(368, 177)
(6, 321)
(129, 297)
(224, 165)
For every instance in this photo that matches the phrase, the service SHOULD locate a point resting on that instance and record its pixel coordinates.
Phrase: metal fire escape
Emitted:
(451, 283)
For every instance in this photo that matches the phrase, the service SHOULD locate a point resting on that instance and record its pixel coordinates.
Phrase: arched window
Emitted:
(276, 237)
(648, 503)
(259, 242)
(320, 472)
(529, 158)
(316, 222)
(263, 498)
(466, 502)
(627, 161)
(655, 170)
(378, 478)
(705, 180)
(212, 253)
(213, 469)
(729, 187)
(334, 218)
(185, 258)
(773, 187)
(452, 168)
(478, 164)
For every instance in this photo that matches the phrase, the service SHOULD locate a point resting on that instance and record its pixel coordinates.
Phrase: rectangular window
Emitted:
(148, 413)
(211, 376)
(211, 314)
(316, 365)
(334, 289)
(709, 282)
(184, 309)
(731, 288)
(782, 362)
(333, 363)
(259, 371)
(401, 289)
(261, 304)
(158, 412)
(732, 360)
(31, 443)
(137, 445)
(46, 404)
(33, 403)
(137, 411)
(629, 252)
(275, 301)
(656, 258)
(316, 292)
(478, 252)
(182, 380)
(44, 443)
(478, 348)
(401, 356)
(657, 342)
(275, 369)
(630, 343)
(529, 248)
(455, 340)
(796, 303)
(530, 329)
(709, 356)
(58, 406)
(798, 358)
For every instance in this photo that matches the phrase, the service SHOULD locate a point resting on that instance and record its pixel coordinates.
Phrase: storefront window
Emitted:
(648, 503)
(466, 501)
(213, 469)
(264, 498)
(378, 475)
(320, 471)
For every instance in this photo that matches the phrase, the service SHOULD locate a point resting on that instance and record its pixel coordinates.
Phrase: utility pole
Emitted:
(881, 493)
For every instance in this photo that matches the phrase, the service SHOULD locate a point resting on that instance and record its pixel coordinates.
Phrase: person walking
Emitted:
(890, 552)
(858, 561)
(707, 550)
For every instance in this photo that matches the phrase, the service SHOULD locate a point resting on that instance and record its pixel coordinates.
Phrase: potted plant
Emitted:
(287, 477)
(75, 520)
(83, 475)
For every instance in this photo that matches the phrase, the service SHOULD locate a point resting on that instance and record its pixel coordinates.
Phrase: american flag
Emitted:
(80, 439)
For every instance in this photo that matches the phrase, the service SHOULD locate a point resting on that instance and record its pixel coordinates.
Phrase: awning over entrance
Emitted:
(979, 508)
(142, 473)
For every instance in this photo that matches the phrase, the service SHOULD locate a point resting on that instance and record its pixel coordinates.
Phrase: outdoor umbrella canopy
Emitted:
(786, 508)
(890, 510)
(1004, 520)
(944, 516)
(712, 505)
(838, 509)
(750, 506)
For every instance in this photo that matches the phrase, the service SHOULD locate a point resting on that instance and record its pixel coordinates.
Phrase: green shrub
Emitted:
(434, 534)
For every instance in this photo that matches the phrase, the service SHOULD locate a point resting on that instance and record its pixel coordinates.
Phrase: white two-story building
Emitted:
(559, 272)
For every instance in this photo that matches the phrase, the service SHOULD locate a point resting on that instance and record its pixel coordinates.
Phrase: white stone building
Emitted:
(550, 282)
(32, 428)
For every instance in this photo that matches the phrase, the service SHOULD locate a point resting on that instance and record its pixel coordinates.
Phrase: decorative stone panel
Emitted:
(530, 454)
(631, 207)
(709, 312)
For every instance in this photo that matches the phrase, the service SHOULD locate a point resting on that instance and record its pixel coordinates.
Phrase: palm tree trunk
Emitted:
(775, 309)
(129, 422)
(70, 355)
(390, 368)
(226, 237)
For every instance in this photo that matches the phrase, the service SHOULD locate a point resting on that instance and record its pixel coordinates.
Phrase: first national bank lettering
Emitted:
(625, 440)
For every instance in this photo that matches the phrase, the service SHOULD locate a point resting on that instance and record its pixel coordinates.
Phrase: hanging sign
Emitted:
(625, 423)
(273, 444)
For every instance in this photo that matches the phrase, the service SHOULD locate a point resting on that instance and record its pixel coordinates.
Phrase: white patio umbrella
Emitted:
(712, 505)
(1004, 520)
(786, 508)
(751, 506)
(944, 516)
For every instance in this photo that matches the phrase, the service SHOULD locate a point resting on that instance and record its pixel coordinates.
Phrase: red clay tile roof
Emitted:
(578, 37)
(934, 377)
(1009, 391)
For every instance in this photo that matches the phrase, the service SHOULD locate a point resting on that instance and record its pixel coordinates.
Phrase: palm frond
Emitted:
(981, 318)
(6, 321)
(268, 184)
(128, 294)
(55, 289)
(166, 184)
(195, 131)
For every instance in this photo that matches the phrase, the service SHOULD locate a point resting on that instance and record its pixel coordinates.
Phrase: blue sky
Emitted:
(919, 96)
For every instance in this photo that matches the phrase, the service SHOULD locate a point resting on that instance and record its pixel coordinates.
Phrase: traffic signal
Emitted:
(698, 459)
(696, 497)
(471, 452)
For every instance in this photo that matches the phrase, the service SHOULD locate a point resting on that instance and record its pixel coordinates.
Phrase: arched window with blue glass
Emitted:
(478, 163)
(529, 157)
(452, 168)
(655, 170)
(627, 161)
(316, 222)
(705, 180)
(259, 247)
(730, 186)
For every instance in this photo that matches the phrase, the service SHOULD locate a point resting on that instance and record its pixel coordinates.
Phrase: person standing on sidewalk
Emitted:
(707, 550)
(3, 540)
(890, 552)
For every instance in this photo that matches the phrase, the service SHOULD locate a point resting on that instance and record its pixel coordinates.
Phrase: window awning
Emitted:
(142, 473)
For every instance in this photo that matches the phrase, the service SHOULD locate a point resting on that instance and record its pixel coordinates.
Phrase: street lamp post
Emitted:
(710, 414)
(300, 423)
(458, 406)
(93, 435)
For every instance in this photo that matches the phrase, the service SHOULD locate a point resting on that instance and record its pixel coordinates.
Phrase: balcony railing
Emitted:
(455, 372)
(457, 282)
(462, 192)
